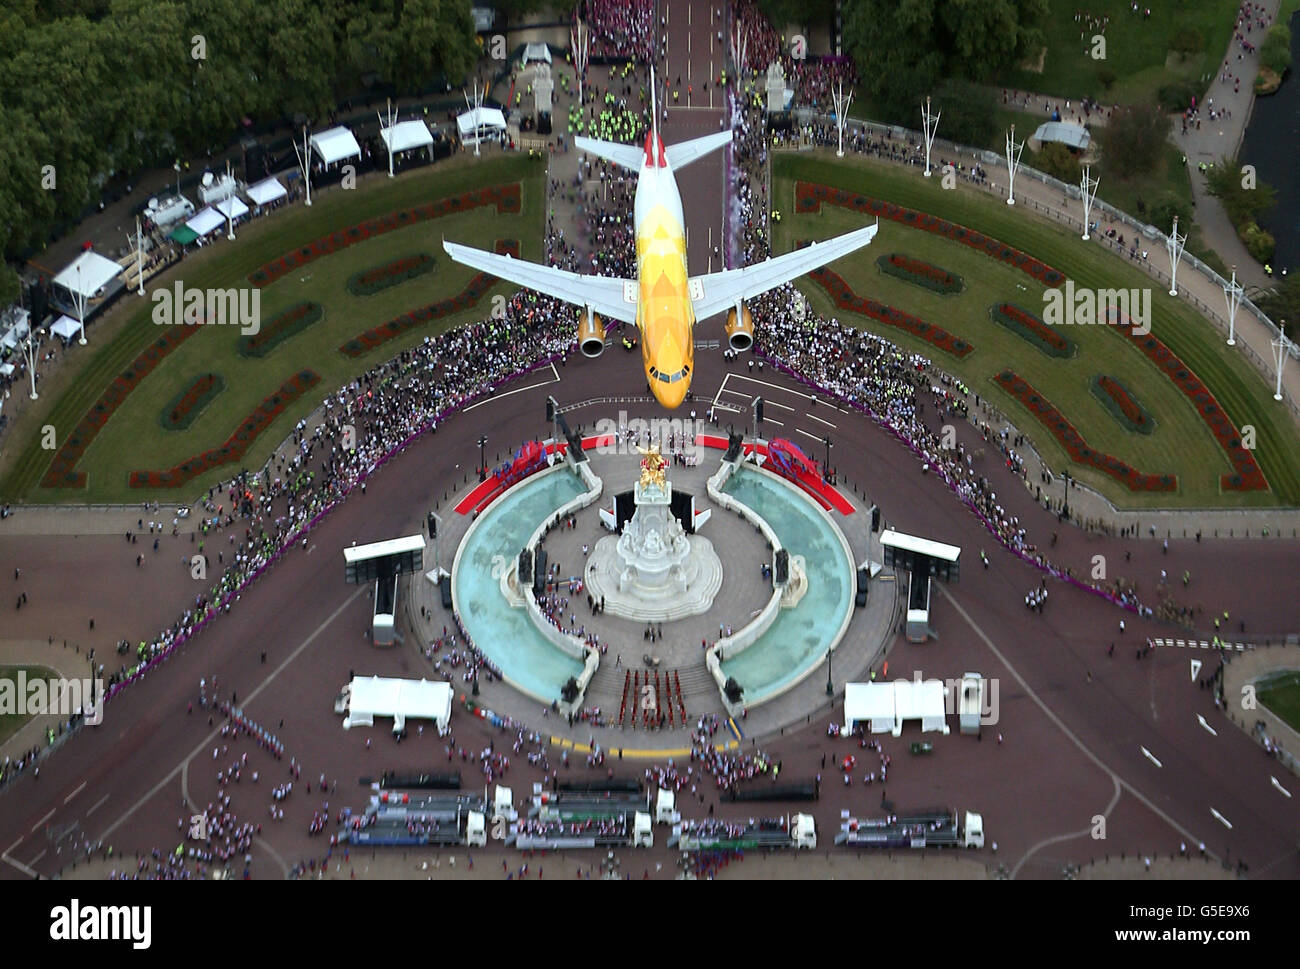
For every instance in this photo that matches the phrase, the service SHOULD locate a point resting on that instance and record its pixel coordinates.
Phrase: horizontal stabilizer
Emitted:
(683, 154)
(628, 156)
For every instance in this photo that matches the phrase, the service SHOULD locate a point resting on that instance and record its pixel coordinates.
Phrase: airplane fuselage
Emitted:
(665, 315)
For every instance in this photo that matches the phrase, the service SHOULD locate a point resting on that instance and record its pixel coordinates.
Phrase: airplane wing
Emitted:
(686, 152)
(629, 156)
(720, 291)
(607, 295)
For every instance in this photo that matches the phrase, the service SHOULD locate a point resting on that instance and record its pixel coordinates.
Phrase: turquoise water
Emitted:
(507, 636)
(797, 640)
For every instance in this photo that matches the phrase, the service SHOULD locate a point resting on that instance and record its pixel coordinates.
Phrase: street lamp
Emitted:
(482, 461)
(826, 468)
(1065, 508)
(830, 689)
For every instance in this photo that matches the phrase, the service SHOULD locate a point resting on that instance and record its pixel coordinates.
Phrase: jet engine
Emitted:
(591, 334)
(740, 330)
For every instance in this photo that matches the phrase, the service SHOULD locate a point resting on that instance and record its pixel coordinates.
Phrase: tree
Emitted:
(1134, 139)
(1059, 162)
(782, 13)
(1226, 182)
(1275, 52)
(1282, 302)
(969, 112)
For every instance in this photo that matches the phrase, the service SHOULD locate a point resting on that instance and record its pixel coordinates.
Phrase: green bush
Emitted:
(1275, 52)
(379, 278)
(1059, 162)
(1177, 95)
(1187, 40)
(1258, 242)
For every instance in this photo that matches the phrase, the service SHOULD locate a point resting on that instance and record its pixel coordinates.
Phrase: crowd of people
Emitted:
(621, 28)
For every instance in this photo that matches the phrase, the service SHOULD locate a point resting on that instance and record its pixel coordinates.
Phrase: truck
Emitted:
(797, 831)
(442, 818)
(626, 830)
(942, 828)
(390, 780)
(970, 704)
(918, 608)
(796, 791)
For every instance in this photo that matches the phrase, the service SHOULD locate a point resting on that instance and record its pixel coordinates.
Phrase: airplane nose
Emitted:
(671, 395)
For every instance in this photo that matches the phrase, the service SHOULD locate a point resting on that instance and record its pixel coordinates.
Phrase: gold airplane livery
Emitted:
(663, 301)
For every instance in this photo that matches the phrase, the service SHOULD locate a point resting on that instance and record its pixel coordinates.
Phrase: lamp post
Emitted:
(1065, 508)
(482, 461)
(826, 468)
(830, 687)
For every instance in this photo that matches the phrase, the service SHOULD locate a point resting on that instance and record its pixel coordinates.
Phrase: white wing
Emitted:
(719, 291)
(606, 295)
(682, 154)
(629, 156)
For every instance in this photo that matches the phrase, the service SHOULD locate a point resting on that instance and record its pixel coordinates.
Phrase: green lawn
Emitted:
(1137, 48)
(1181, 442)
(1280, 694)
(11, 723)
(132, 440)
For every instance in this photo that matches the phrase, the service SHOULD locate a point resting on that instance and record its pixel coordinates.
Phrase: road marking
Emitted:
(738, 393)
(43, 820)
(1206, 725)
(556, 372)
(1279, 786)
(38, 857)
(772, 420)
(97, 805)
(787, 390)
(1196, 668)
(1224, 821)
(806, 434)
(29, 872)
(772, 403)
(816, 418)
(721, 387)
(216, 732)
(74, 793)
(508, 393)
(14, 845)
(1150, 756)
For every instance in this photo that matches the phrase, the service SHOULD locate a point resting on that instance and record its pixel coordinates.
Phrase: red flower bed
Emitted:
(846, 299)
(931, 277)
(238, 443)
(1246, 475)
(278, 329)
(809, 197)
(63, 471)
(1123, 403)
(379, 278)
(185, 406)
(1073, 441)
(1032, 329)
(363, 343)
(504, 197)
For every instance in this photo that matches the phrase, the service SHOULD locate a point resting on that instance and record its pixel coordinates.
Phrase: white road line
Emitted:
(816, 418)
(38, 857)
(216, 732)
(556, 372)
(74, 793)
(1279, 786)
(738, 393)
(97, 805)
(1150, 756)
(771, 420)
(787, 390)
(1224, 821)
(1201, 719)
(508, 393)
(14, 845)
(29, 872)
(721, 387)
(806, 434)
(772, 403)
(43, 820)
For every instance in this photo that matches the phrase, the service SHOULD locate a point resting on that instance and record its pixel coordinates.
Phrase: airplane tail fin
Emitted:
(654, 107)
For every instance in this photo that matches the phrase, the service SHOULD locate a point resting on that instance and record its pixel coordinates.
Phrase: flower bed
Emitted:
(504, 197)
(380, 278)
(933, 278)
(1246, 474)
(182, 409)
(1025, 324)
(279, 328)
(1115, 397)
(238, 443)
(1073, 441)
(363, 343)
(63, 471)
(809, 197)
(846, 299)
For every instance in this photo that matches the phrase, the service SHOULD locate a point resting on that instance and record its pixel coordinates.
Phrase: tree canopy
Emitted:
(102, 88)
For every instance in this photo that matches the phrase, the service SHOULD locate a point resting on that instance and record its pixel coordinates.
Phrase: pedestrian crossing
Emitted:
(1201, 644)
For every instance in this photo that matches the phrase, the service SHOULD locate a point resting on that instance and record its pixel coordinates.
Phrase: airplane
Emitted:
(664, 302)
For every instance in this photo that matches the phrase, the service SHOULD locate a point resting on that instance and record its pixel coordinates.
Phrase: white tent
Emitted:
(537, 52)
(869, 704)
(377, 696)
(406, 135)
(266, 191)
(885, 707)
(206, 221)
(87, 274)
(335, 145)
(479, 123)
(232, 207)
(6, 369)
(66, 327)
